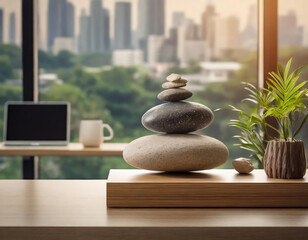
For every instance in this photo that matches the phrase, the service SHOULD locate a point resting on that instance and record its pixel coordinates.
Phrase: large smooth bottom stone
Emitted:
(176, 152)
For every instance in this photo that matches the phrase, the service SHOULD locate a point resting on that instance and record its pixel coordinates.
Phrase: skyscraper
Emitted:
(193, 30)
(122, 25)
(207, 25)
(289, 32)
(189, 45)
(99, 30)
(60, 21)
(12, 29)
(249, 36)
(83, 32)
(69, 21)
(227, 36)
(1, 25)
(151, 21)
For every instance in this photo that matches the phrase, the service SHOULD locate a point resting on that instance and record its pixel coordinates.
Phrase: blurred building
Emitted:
(127, 57)
(1, 25)
(289, 33)
(169, 49)
(46, 80)
(63, 44)
(211, 72)
(99, 28)
(190, 47)
(162, 49)
(151, 21)
(193, 30)
(134, 39)
(178, 19)
(249, 36)
(61, 22)
(155, 45)
(207, 26)
(83, 32)
(122, 25)
(12, 29)
(227, 35)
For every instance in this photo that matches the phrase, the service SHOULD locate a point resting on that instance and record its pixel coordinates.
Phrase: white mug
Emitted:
(92, 133)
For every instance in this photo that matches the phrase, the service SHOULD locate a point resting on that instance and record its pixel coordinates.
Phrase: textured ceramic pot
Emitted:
(285, 159)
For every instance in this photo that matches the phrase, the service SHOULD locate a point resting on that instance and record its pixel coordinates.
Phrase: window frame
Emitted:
(30, 165)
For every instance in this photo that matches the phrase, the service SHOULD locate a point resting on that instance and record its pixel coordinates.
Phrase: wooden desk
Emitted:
(73, 149)
(76, 209)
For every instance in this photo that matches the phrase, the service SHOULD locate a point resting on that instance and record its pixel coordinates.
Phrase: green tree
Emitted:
(95, 59)
(13, 53)
(65, 59)
(6, 68)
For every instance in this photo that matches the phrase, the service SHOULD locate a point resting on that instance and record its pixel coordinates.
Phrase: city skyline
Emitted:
(14, 6)
(191, 12)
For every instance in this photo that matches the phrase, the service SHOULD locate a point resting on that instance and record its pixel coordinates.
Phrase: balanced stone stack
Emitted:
(177, 149)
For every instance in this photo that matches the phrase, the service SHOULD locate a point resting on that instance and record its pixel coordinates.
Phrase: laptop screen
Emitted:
(36, 122)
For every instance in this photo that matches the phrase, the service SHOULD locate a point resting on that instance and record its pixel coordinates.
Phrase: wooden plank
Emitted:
(76, 209)
(73, 149)
(213, 188)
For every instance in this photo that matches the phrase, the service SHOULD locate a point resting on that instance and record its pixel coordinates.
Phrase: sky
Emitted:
(192, 8)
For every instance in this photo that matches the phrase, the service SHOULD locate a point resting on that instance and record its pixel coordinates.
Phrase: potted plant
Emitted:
(282, 156)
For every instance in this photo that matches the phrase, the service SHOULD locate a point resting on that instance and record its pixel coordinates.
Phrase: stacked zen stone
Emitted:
(177, 149)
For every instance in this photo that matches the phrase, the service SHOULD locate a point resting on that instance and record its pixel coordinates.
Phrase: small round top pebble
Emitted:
(173, 77)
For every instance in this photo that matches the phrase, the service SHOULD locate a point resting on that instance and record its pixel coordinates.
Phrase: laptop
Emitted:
(36, 124)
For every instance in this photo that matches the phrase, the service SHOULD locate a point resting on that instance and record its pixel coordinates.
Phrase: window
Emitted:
(109, 59)
(10, 72)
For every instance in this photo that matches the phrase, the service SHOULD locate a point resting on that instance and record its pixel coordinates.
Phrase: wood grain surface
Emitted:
(76, 209)
(73, 149)
(213, 188)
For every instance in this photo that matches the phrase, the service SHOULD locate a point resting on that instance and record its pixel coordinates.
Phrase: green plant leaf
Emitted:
(287, 68)
(280, 70)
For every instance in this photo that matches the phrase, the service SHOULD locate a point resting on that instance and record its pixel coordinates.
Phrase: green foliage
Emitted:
(289, 97)
(252, 123)
(283, 100)
(95, 59)
(63, 60)
(6, 69)
(13, 53)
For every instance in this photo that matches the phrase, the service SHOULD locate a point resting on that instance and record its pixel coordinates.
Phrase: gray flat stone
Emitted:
(174, 94)
(176, 84)
(177, 117)
(176, 152)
